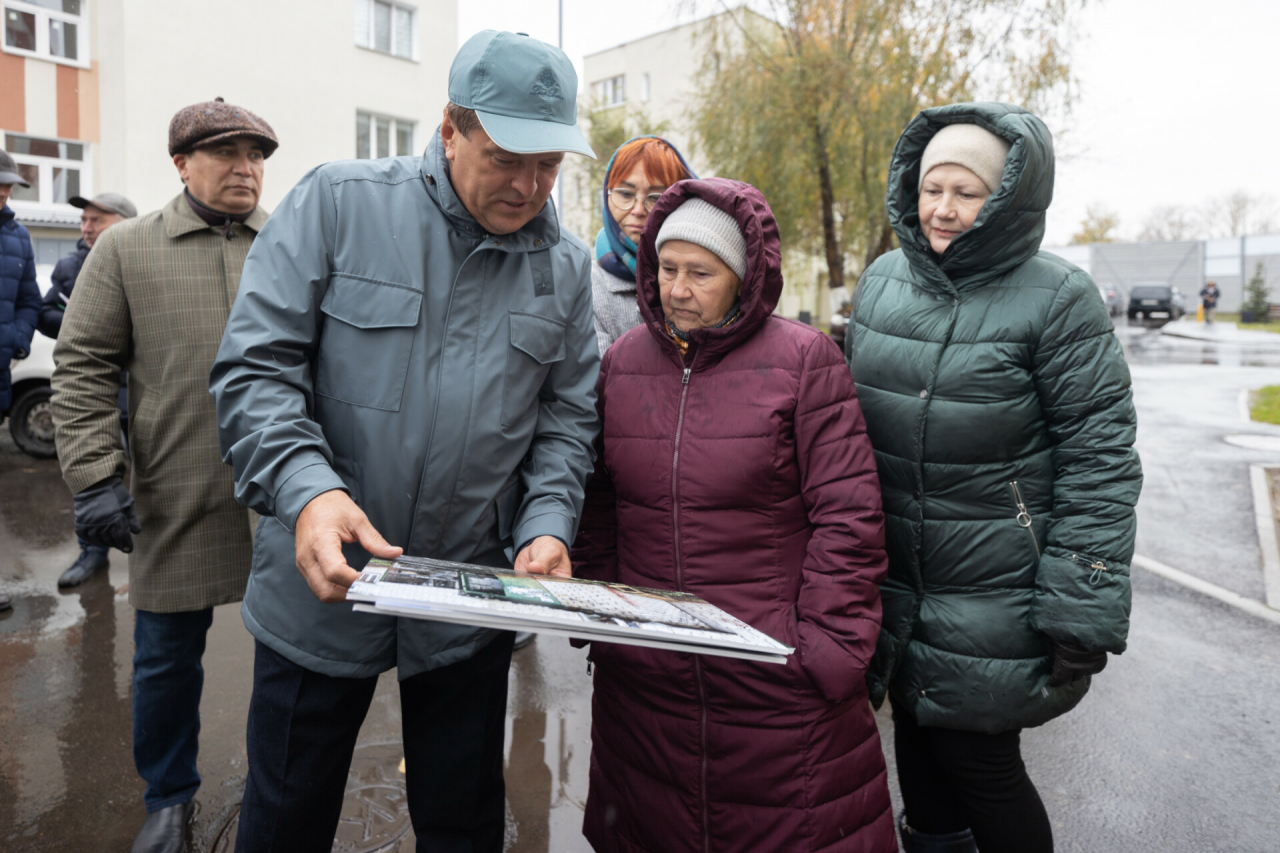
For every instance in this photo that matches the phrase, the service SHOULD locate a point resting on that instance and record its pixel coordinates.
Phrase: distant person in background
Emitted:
(19, 293)
(637, 175)
(1209, 299)
(98, 214)
(153, 298)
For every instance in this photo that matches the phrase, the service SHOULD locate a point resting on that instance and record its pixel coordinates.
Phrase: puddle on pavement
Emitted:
(67, 780)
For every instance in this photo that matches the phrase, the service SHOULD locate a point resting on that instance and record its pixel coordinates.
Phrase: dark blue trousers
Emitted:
(167, 681)
(302, 733)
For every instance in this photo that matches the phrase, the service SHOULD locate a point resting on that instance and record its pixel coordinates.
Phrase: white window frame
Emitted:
(46, 165)
(43, 17)
(366, 8)
(610, 92)
(394, 124)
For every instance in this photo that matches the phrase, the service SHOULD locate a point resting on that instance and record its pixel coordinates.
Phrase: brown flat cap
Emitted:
(213, 121)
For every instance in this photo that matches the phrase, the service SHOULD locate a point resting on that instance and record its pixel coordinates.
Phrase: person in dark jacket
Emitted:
(734, 466)
(19, 293)
(97, 215)
(999, 405)
(1209, 299)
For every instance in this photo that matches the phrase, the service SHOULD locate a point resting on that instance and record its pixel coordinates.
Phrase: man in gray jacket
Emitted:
(411, 363)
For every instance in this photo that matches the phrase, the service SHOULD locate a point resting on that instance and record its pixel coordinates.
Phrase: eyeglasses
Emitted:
(625, 199)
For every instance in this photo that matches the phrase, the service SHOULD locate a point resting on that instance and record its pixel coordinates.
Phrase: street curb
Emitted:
(1248, 605)
(1265, 517)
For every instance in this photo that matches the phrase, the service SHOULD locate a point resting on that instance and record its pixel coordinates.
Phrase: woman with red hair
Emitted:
(635, 179)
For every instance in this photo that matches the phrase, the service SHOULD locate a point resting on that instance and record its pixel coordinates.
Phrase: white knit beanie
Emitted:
(976, 148)
(701, 222)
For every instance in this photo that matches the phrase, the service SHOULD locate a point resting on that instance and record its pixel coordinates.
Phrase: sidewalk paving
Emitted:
(1222, 333)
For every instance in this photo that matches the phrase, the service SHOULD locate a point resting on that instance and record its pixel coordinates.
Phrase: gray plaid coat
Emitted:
(153, 298)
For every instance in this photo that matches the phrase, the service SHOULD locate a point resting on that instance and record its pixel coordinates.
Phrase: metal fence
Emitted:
(1186, 265)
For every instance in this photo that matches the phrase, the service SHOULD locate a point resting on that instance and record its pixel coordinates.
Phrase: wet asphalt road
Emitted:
(1175, 748)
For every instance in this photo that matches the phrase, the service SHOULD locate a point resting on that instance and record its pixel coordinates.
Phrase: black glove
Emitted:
(1072, 663)
(105, 516)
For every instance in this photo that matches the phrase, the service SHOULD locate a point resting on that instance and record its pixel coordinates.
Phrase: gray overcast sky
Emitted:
(1180, 99)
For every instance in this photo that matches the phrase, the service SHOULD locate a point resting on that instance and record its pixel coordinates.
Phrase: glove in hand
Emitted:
(1072, 663)
(105, 516)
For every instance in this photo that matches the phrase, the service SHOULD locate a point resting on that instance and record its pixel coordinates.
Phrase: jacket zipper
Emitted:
(697, 662)
(1098, 567)
(1023, 517)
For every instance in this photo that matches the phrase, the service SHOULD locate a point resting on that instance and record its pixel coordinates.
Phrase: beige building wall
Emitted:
(293, 62)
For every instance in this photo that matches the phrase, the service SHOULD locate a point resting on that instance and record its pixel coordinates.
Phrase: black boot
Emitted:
(85, 566)
(918, 842)
(164, 831)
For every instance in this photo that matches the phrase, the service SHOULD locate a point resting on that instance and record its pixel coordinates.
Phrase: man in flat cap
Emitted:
(97, 215)
(411, 364)
(153, 299)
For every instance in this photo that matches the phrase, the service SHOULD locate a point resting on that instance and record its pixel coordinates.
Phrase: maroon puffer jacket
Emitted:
(745, 477)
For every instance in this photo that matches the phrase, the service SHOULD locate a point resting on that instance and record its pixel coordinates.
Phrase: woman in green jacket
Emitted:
(999, 405)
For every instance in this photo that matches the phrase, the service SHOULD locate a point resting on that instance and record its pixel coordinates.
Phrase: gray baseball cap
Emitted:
(524, 91)
(9, 171)
(110, 202)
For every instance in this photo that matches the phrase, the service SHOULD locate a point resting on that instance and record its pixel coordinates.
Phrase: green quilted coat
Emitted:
(994, 364)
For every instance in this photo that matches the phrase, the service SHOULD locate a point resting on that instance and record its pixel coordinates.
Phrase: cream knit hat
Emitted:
(701, 222)
(976, 148)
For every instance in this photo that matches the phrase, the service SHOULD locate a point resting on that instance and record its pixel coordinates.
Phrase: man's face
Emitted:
(94, 221)
(6, 190)
(226, 176)
(502, 190)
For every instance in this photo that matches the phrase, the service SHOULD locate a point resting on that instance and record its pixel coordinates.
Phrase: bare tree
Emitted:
(1239, 214)
(1171, 222)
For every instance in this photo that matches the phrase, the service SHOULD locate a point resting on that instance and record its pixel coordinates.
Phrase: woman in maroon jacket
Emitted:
(735, 466)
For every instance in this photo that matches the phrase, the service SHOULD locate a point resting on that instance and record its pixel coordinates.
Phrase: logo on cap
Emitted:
(547, 87)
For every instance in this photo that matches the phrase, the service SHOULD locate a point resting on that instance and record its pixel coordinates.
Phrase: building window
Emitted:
(382, 136)
(47, 29)
(57, 170)
(387, 28)
(644, 87)
(611, 92)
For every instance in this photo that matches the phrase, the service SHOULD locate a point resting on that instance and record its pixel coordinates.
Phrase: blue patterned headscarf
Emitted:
(615, 252)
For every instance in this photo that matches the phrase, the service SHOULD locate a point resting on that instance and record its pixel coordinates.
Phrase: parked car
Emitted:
(30, 413)
(1149, 300)
(1112, 299)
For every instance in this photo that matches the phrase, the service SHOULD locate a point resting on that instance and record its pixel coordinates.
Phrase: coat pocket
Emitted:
(366, 342)
(536, 344)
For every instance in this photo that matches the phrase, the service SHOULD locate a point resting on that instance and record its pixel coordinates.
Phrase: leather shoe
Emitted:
(164, 831)
(85, 566)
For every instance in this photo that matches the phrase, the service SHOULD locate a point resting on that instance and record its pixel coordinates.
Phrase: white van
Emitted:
(30, 412)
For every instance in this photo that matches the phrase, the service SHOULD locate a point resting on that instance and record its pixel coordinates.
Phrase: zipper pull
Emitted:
(1023, 517)
(685, 381)
(1097, 565)
(590, 667)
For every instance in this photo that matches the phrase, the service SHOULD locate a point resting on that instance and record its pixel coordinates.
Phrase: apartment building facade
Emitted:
(87, 89)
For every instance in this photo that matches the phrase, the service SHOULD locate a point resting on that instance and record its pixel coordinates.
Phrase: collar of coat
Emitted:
(541, 232)
(180, 219)
(1010, 226)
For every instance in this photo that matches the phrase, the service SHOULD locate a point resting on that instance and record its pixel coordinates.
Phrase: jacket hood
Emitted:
(541, 232)
(761, 286)
(1010, 225)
